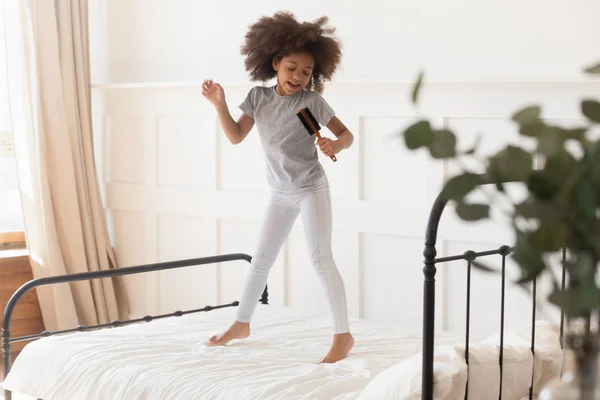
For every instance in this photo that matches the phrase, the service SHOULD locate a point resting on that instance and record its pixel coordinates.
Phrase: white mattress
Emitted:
(168, 359)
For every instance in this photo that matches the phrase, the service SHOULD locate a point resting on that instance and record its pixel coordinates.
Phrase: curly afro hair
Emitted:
(281, 35)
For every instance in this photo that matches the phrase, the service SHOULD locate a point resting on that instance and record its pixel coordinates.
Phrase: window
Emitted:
(11, 216)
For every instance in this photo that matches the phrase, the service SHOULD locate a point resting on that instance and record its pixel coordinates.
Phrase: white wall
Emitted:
(175, 188)
(384, 40)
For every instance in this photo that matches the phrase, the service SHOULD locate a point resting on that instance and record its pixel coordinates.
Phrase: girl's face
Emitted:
(293, 72)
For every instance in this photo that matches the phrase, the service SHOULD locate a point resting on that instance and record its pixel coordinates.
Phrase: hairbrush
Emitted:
(312, 126)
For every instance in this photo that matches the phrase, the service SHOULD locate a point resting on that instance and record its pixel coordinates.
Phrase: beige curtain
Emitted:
(49, 96)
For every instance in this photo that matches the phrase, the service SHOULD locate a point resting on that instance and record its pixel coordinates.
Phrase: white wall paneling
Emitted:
(186, 143)
(181, 237)
(133, 234)
(176, 188)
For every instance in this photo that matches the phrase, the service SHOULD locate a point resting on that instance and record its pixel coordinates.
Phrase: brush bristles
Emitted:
(305, 123)
(312, 118)
(309, 121)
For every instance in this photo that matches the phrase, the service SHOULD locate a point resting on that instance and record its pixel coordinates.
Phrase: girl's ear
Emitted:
(275, 63)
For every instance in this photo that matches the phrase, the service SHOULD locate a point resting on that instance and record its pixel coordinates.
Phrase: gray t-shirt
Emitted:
(290, 152)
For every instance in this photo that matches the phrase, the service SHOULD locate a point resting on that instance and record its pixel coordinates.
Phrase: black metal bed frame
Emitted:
(429, 271)
(32, 284)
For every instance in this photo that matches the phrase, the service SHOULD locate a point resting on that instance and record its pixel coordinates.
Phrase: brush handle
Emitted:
(318, 135)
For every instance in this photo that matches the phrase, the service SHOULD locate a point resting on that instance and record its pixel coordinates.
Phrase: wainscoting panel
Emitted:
(175, 188)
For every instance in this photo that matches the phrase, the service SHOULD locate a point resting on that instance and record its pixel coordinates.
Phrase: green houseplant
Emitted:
(561, 210)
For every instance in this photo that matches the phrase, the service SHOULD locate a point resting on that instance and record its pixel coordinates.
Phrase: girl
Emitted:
(301, 56)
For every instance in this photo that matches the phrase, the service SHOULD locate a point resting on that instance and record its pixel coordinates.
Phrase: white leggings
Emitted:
(282, 211)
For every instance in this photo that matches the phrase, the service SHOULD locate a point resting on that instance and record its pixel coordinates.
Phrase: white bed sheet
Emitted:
(168, 359)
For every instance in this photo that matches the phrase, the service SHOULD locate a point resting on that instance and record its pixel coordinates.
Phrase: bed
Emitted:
(165, 357)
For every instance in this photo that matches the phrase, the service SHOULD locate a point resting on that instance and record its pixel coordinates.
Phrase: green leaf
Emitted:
(472, 211)
(560, 166)
(548, 182)
(511, 164)
(550, 142)
(586, 200)
(418, 135)
(542, 187)
(459, 186)
(595, 169)
(494, 175)
(583, 269)
(443, 144)
(482, 267)
(550, 236)
(527, 115)
(417, 87)
(532, 209)
(577, 300)
(552, 231)
(528, 258)
(573, 133)
(591, 109)
(551, 139)
(533, 129)
(529, 120)
(594, 69)
(528, 210)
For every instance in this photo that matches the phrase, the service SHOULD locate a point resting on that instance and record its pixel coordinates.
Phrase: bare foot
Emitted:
(238, 330)
(342, 344)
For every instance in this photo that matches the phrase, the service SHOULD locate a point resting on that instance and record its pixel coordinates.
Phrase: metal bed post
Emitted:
(429, 271)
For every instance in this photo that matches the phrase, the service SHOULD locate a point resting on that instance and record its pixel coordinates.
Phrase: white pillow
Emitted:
(548, 358)
(402, 381)
(484, 371)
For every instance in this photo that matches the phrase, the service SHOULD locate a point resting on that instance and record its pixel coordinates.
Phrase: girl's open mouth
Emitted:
(293, 85)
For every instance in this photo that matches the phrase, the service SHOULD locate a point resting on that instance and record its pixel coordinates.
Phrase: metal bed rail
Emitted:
(52, 280)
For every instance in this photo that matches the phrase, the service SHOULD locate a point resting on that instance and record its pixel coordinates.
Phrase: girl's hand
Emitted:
(329, 147)
(213, 93)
